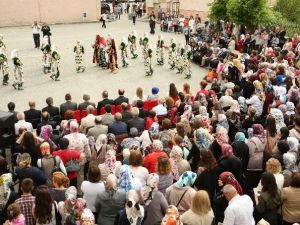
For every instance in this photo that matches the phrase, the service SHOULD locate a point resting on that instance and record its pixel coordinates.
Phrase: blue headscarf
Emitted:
(240, 136)
(126, 179)
(186, 179)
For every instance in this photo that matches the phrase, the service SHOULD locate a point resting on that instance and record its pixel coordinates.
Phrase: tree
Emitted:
(289, 9)
(218, 11)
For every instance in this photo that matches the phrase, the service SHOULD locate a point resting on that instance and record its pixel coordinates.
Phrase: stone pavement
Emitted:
(93, 81)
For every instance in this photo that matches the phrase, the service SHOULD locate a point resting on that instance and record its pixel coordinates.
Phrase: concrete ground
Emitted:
(93, 81)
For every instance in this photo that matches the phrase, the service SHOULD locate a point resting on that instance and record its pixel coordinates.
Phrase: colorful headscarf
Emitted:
(186, 179)
(176, 156)
(279, 119)
(290, 162)
(222, 121)
(226, 150)
(110, 161)
(154, 129)
(150, 189)
(46, 131)
(202, 99)
(203, 138)
(80, 204)
(5, 184)
(125, 179)
(228, 178)
(111, 139)
(290, 108)
(87, 217)
(135, 212)
(188, 112)
(259, 132)
(222, 136)
(240, 136)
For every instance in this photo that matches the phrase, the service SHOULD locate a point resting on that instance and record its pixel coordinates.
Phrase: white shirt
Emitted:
(239, 211)
(141, 173)
(279, 178)
(256, 103)
(36, 29)
(160, 110)
(23, 123)
(90, 192)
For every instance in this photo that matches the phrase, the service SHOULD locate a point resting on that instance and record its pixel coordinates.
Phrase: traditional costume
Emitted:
(148, 60)
(143, 43)
(179, 62)
(132, 38)
(160, 50)
(172, 54)
(96, 50)
(101, 53)
(79, 52)
(18, 73)
(124, 55)
(55, 72)
(112, 54)
(46, 49)
(187, 56)
(4, 68)
(2, 45)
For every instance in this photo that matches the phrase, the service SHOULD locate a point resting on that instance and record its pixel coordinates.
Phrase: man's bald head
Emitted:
(31, 104)
(118, 116)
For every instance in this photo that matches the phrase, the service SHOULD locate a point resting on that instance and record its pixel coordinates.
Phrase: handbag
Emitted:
(72, 165)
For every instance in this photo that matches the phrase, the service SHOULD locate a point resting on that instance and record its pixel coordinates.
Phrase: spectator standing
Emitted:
(36, 34)
(46, 31)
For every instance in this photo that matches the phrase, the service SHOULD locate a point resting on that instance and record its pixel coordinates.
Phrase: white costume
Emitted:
(46, 49)
(18, 73)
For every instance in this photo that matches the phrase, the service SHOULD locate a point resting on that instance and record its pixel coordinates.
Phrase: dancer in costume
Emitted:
(102, 57)
(160, 50)
(55, 72)
(124, 55)
(96, 50)
(179, 58)
(148, 60)
(172, 54)
(187, 56)
(46, 49)
(79, 52)
(18, 73)
(112, 54)
(4, 69)
(132, 38)
(2, 45)
(143, 43)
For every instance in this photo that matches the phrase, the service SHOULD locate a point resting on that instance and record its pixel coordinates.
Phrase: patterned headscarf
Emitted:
(203, 111)
(154, 129)
(134, 214)
(226, 150)
(186, 179)
(5, 184)
(259, 132)
(176, 157)
(87, 217)
(111, 139)
(222, 136)
(46, 131)
(101, 140)
(70, 198)
(110, 161)
(80, 204)
(222, 121)
(242, 104)
(203, 138)
(228, 178)
(150, 189)
(202, 99)
(293, 144)
(290, 108)
(126, 179)
(290, 162)
(240, 136)
(278, 116)
(188, 112)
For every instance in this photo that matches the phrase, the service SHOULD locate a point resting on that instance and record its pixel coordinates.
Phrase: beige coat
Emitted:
(86, 122)
(291, 204)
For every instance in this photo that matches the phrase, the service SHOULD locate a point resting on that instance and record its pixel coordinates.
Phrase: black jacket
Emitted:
(52, 110)
(33, 116)
(104, 102)
(231, 164)
(241, 150)
(84, 105)
(119, 100)
(68, 105)
(143, 113)
(138, 123)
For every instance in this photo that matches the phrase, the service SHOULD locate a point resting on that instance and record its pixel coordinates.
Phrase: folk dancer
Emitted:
(172, 54)
(79, 52)
(102, 57)
(160, 50)
(55, 72)
(124, 55)
(187, 56)
(132, 38)
(179, 58)
(143, 43)
(4, 68)
(148, 60)
(112, 54)
(2, 45)
(95, 46)
(46, 49)
(18, 73)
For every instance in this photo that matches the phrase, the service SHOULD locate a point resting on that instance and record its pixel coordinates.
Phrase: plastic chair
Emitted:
(77, 115)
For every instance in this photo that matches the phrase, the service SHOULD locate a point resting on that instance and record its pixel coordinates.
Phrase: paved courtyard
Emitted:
(94, 80)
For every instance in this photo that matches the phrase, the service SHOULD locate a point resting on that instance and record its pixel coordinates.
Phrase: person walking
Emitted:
(46, 31)
(36, 34)
(103, 19)
(134, 15)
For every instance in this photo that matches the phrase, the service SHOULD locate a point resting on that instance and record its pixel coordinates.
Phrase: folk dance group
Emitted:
(179, 56)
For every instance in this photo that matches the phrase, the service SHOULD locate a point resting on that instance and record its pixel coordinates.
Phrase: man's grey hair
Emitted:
(135, 112)
(228, 188)
(90, 109)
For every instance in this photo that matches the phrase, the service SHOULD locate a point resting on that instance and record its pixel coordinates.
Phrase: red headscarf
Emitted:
(228, 178)
(226, 150)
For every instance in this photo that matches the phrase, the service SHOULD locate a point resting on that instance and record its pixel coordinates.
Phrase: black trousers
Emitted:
(133, 19)
(36, 39)
(187, 39)
(103, 24)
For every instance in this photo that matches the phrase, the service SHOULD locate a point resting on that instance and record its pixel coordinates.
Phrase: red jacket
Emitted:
(150, 160)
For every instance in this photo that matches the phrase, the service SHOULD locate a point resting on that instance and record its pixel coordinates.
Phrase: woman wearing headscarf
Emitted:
(181, 193)
(220, 202)
(179, 165)
(46, 135)
(154, 201)
(96, 50)
(256, 146)
(126, 180)
(202, 140)
(278, 115)
(66, 207)
(110, 165)
(241, 149)
(99, 150)
(290, 165)
(229, 162)
(221, 138)
(293, 144)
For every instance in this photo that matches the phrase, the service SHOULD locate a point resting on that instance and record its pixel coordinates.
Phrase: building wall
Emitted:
(24, 12)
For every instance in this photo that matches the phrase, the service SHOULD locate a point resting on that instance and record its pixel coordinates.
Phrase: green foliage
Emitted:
(289, 9)
(217, 10)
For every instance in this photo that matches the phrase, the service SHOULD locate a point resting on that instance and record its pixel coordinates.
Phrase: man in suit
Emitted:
(119, 100)
(118, 127)
(33, 115)
(89, 120)
(11, 108)
(104, 102)
(143, 113)
(136, 121)
(68, 105)
(98, 129)
(126, 115)
(86, 102)
(108, 118)
(52, 110)
(45, 121)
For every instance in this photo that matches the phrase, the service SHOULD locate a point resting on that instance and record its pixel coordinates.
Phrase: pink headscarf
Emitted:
(226, 150)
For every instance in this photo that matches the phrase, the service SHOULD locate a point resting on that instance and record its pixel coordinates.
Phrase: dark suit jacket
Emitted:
(84, 105)
(15, 115)
(117, 128)
(33, 116)
(52, 110)
(68, 105)
(143, 113)
(119, 100)
(43, 123)
(138, 123)
(126, 116)
(103, 103)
